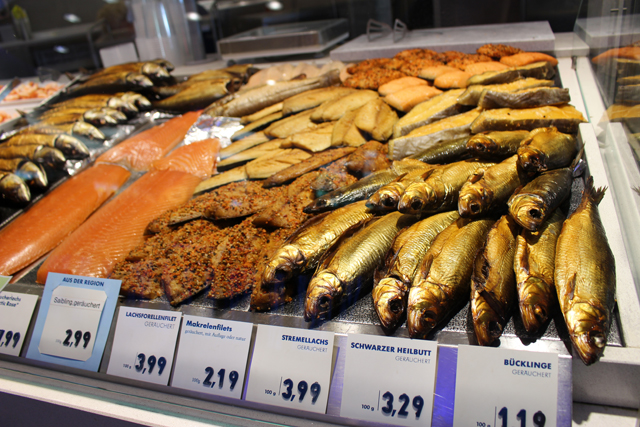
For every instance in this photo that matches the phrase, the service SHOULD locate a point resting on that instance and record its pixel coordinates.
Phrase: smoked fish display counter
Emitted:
(424, 196)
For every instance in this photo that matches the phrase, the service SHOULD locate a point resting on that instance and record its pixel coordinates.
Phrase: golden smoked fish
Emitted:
(444, 152)
(393, 282)
(534, 266)
(302, 252)
(439, 191)
(441, 284)
(490, 188)
(536, 201)
(585, 276)
(386, 199)
(493, 284)
(497, 144)
(342, 277)
(545, 149)
(565, 117)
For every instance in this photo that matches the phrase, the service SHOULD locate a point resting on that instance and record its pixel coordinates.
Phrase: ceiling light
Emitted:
(274, 5)
(70, 17)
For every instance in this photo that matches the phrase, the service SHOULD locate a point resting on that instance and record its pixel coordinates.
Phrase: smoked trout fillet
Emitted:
(118, 227)
(138, 152)
(52, 219)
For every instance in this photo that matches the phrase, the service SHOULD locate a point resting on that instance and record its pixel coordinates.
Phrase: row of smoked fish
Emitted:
(86, 111)
(257, 227)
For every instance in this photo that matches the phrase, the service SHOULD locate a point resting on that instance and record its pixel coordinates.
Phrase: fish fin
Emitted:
(571, 285)
(578, 165)
(476, 176)
(592, 193)
(399, 177)
(427, 174)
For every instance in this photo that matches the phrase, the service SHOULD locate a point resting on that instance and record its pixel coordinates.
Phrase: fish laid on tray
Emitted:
(394, 279)
(109, 235)
(585, 277)
(138, 152)
(49, 221)
(348, 272)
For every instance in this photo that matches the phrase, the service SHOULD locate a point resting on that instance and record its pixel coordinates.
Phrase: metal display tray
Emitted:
(284, 39)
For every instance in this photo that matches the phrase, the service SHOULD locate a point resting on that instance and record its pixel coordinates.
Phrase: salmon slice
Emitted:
(52, 219)
(118, 227)
(197, 159)
(138, 152)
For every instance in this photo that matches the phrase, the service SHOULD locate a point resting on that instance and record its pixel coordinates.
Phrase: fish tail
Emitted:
(591, 193)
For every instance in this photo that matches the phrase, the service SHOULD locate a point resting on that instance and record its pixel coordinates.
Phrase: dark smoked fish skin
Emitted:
(534, 265)
(496, 144)
(585, 277)
(493, 284)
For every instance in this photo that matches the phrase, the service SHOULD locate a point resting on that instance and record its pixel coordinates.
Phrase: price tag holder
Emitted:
(499, 387)
(16, 311)
(389, 380)
(291, 368)
(4, 280)
(144, 344)
(212, 356)
(73, 321)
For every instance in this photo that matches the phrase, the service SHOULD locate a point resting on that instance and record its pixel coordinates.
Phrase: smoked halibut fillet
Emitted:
(47, 223)
(113, 231)
(138, 152)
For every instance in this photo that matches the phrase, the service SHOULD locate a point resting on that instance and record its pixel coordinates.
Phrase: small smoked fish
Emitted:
(29, 172)
(386, 199)
(360, 190)
(77, 128)
(444, 152)
(302, 252)
(195, 97)
(393, 281)
(13, 188)
(488, 189)
(493, 284)
(536, 201)
(441, 284)
(347, 273)
(585, 276)
(534, 267)
(110, 83)
(36, 153)
(497, 144)
(71, 147)
(440, 189)
(545, 149)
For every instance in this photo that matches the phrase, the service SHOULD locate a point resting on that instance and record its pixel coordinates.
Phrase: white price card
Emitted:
(389, 380)
(144, 344)
(291, 368)
(518, 388)
(74, 320)
(212, 356)
(16, 311)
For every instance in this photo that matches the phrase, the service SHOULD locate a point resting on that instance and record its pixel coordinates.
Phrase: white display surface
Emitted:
(144, 344)
(291, 368)
(16, 311)
(389, 380)
(499, 387)
(212, 356)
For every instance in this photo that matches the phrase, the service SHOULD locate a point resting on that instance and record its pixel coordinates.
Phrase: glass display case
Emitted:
(208, 380)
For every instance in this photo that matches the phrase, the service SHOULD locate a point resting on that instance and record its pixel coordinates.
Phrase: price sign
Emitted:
(389, 380)
(74, 320)
(291, 368)
(16, 311)
(144, 344)
(519, 388)
(212, 356)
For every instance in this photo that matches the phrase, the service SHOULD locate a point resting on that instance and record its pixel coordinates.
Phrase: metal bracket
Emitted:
(377, 29)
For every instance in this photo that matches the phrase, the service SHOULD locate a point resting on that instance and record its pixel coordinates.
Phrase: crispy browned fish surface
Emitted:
(526, 98)
(534, 267)
(565, 118)
(493, 285)
(392, 282)
(585, 277)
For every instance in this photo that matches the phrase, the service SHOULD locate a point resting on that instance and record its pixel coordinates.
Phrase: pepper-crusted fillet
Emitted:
(333, 176)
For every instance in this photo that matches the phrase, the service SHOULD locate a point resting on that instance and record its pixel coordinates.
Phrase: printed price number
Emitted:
(8, 336)
(303, 388)
(539, 419)
(78, 336)
(388, 410)
(233, 378)
(150, 362)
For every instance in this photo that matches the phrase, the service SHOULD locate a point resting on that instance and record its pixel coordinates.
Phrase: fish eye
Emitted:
(535, 213)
